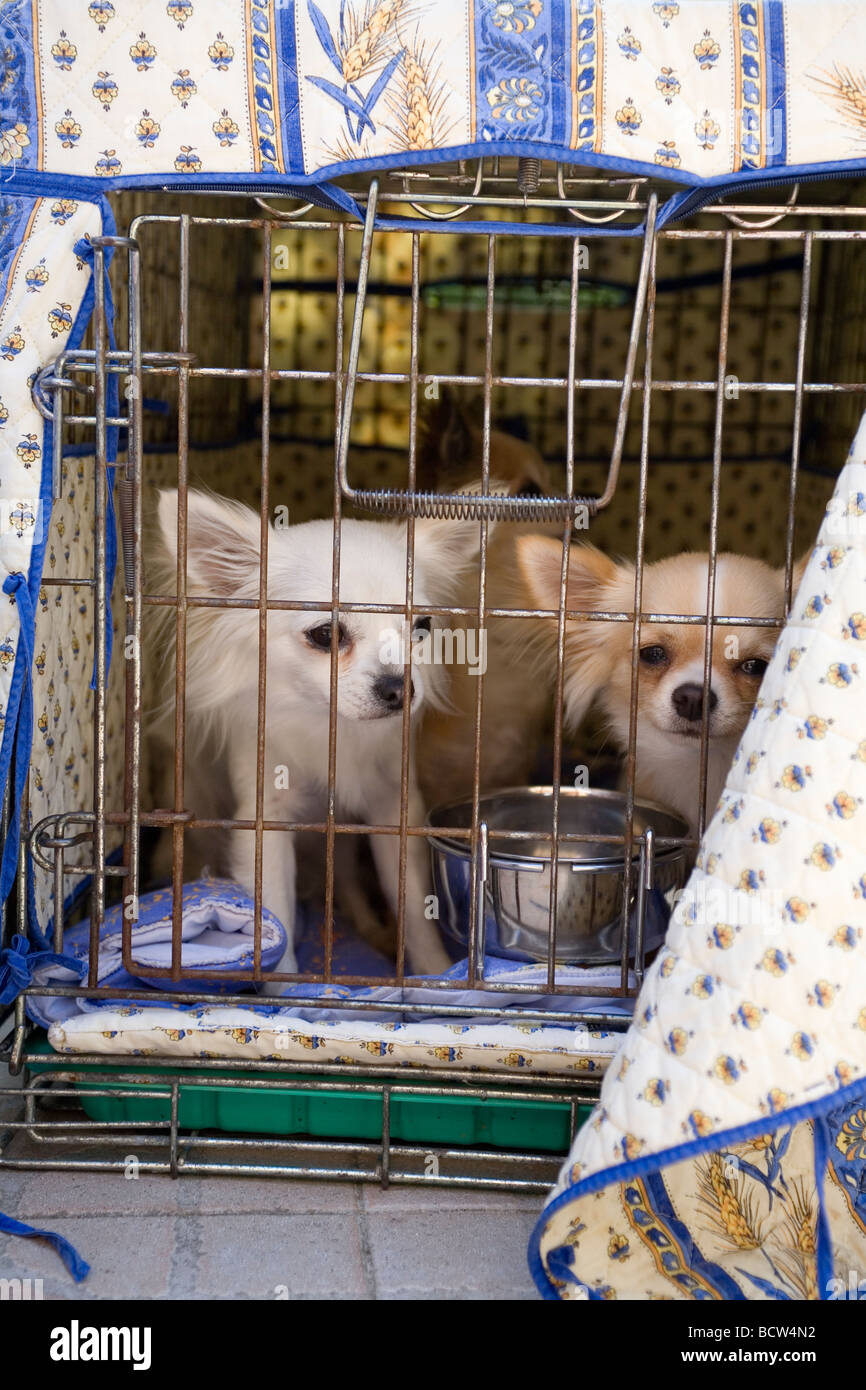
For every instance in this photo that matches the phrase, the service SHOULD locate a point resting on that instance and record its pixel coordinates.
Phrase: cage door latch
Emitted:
(481, 505)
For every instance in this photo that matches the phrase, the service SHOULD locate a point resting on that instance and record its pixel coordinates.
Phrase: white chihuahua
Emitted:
(222, 682)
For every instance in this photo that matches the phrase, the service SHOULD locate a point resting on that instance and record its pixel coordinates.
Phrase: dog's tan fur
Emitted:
(598, 655)
(515, 702)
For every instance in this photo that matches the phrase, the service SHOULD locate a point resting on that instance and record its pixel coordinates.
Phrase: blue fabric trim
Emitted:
(560, 70)
(776, 94)
(682, 204)
(287, 57)
(17, 963)
(504, 59)
(12, 225)
(18, 90)
(570, 229)
(88, 189)
(713, 1273)
(15, 585)
(84, 250)
(561, 1266)
(848, 1164)
(697, 189)
(78, 1267)
(654, 1163)
(544, 59)
(824, 1259)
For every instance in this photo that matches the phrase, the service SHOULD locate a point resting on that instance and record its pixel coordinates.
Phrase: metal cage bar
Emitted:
(51, 841)
(456, 505)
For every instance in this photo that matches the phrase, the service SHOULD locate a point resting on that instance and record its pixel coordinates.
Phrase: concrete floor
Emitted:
(212, 1237)
(267, 1238)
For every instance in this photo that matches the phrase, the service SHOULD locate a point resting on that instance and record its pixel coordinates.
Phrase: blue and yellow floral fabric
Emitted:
(45, 278)
(706, 91)
(727, 1155)
(320, 1016)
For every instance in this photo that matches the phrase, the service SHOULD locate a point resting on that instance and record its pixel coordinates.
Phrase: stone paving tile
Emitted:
(310, 1257)
(470, 1254)
(449, 1255)
(218, 1238)
(213, 1196)
(129, 1258)
(66, 1193)
(11, 1183)
(506, 1295)
(400, 1197)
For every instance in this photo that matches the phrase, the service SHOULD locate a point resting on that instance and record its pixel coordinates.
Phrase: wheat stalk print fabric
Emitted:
(727, 1155)
(708, 92)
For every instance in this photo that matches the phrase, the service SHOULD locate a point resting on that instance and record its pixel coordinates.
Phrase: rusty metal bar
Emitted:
(52, 841)
(477, 904)
(634, 675)
(264, 535)
(101, 598)
(336, 609)
(129, 495)
(724, 325)
(559, 684)
(797, 427)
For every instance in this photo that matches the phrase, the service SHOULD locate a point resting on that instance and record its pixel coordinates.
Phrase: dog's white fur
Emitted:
(222, 678)
(598, 656)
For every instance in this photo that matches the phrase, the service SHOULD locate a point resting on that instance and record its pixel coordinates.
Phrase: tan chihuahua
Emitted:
(515, 701)
(670, 705)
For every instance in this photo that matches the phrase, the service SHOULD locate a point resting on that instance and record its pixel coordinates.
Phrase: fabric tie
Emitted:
(85, 252)
(78, 1267)
(15, 585)
(18, 962)
(559, 1263)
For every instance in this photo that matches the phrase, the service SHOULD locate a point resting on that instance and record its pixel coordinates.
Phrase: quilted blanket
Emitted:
(727, 1156)
(709, 93)
(395, 1025)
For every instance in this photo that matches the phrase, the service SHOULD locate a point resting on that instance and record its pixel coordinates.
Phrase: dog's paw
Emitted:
(288, 966)
(273, 987)
(429, 959)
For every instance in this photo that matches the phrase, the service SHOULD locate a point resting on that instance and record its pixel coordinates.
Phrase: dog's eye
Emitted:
(320, 636)
(421, 625)
(753, 666)
(530, 489)
(653, 656)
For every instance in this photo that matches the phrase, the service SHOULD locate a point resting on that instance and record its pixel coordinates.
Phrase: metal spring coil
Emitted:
(468, 506)
(528, 174)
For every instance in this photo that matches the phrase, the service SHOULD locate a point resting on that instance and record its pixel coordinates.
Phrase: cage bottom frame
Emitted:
(428, 1131)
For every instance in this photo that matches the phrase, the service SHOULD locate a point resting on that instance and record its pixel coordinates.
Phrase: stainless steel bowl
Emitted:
(514, 875)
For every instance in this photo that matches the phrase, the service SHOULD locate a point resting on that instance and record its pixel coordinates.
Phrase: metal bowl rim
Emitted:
(504, 859)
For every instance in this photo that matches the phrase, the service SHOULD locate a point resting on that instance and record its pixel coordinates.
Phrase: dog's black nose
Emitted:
(389, 689)
(688, 700)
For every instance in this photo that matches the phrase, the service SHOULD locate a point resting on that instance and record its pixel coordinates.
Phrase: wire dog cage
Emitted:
(643, 459)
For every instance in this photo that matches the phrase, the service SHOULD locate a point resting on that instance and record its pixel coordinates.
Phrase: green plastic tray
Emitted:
(519, 1123)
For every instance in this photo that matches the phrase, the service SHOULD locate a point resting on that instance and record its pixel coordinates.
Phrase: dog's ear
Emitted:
(448, 445)
(589, 573)
(223, 541)
(450, 448)
(447, 548)
(797, 572)
(589, 653)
